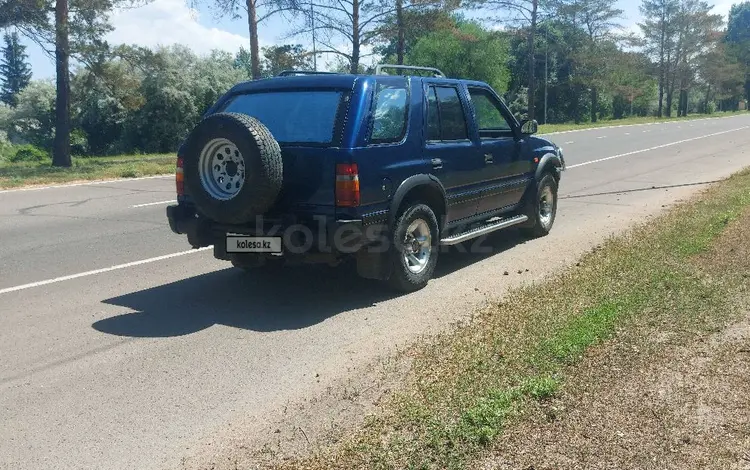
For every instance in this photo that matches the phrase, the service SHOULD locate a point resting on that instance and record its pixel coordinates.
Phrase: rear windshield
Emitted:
(292, 116)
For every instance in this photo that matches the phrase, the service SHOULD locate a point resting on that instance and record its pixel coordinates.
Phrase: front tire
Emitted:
(541, 209)
(414, 253)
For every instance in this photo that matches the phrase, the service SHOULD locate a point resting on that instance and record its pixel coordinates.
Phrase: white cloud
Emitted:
(167, 22)
(722, 7)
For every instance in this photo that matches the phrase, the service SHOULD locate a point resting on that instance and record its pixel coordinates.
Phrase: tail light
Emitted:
(179, 177)
(347, 185)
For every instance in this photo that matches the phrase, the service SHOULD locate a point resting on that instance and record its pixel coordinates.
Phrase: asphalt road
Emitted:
(142, 365)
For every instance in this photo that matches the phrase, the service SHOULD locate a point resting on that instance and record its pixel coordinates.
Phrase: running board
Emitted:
(484, 230)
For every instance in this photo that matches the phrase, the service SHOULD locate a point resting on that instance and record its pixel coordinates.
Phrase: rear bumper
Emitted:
(180, 219)
(317, 235)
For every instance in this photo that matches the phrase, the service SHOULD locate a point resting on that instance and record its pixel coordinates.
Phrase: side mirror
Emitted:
(529, 127)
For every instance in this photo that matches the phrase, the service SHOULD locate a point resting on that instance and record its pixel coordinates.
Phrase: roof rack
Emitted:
(287, 73)
(435, 72)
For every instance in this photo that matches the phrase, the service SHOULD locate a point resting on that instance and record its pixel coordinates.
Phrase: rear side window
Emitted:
(489, 115)
(445, 114)
(433, 116)
(389, 114)
(292, 116)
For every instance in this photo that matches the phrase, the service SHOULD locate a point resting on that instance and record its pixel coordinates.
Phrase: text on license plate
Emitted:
(253, 244)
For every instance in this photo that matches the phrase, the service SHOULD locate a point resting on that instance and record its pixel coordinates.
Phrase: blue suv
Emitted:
(380, 169)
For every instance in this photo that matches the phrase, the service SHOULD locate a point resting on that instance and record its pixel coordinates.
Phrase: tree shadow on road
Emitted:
(267, 300)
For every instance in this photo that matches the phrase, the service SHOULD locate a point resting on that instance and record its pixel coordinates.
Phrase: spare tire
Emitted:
(233, 167)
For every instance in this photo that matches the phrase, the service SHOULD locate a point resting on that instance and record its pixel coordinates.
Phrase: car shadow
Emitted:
(267, 300)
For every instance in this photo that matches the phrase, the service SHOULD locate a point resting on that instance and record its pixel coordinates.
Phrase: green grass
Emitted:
(571, 340)
(465, 387)
(83, 169)
(549, 128)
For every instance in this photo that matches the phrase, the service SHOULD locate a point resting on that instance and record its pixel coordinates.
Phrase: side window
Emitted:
(490, 119)
(433, 116)
(389, 115)
(452, 118)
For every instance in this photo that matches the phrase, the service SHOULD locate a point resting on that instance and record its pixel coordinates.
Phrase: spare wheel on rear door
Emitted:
(233, 167)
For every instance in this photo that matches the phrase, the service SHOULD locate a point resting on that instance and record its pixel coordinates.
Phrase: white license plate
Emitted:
(237, 244)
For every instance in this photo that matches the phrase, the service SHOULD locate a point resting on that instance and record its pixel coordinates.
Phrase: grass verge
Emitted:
(549, 128)
(465, 387)
(91, 168)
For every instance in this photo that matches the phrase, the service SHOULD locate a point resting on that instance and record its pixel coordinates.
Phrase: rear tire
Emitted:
(233, 167)
(541, 208)
(415, 248)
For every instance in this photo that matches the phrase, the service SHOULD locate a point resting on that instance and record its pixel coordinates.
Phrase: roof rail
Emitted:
(287, 73)
(435, 72)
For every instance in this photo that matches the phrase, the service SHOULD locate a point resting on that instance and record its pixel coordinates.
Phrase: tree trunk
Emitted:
(662, 74)
(252, 25)
(669, 104)
(594, 104)
(400, 45)
(61, 146)
(684, 100)
(708, 95)
(355, 36)
(532, 59)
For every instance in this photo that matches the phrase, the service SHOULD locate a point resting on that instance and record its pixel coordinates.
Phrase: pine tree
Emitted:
(15, 72)
(660, 38)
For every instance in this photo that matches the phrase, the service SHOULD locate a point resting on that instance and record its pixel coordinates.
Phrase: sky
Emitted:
(166, 22)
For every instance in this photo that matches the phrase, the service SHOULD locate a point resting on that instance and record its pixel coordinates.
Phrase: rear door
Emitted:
(504, 173)
(307, 125)
(454, 157)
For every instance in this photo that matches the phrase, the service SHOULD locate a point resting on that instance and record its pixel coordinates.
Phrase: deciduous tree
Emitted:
(463, 53)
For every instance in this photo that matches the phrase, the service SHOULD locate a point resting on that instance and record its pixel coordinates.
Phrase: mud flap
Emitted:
(373, 264)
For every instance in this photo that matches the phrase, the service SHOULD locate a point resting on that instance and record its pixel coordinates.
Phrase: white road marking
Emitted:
(627, 133)
(99, 271)
(656, 148)
(602, 137)
(571, 142)
(87, 183)
(154, 203)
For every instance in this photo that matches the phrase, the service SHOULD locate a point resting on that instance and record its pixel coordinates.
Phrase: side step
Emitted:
(489, 227)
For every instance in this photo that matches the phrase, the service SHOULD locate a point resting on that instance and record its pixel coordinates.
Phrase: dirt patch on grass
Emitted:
(731, 253)
(678, 407)
(657, 395)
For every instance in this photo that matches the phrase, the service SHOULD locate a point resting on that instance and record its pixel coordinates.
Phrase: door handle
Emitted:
(437, 163)
(488, 158)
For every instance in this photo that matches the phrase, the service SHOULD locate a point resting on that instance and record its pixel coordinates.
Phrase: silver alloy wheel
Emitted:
(417, 246)
(546, 206)
(221, 169)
